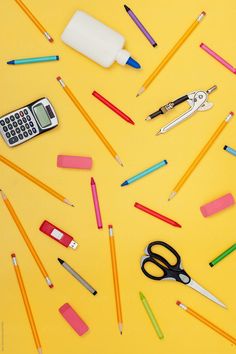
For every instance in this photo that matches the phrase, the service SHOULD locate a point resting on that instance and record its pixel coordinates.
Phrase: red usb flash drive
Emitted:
(58, 235)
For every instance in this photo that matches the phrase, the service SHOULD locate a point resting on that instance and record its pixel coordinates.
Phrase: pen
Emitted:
(77, 276)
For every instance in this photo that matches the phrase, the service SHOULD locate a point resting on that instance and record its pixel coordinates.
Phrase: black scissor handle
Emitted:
(176, 266)
(148, 259)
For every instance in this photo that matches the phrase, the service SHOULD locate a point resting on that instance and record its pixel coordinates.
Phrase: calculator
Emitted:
(26, 122)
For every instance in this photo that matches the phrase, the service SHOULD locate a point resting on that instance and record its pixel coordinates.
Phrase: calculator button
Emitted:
(22, 128)
(8, 135)
(13, 140)
(19, 121)
(13, 132)
(7, 120)
(20, 136)
(25, 111)
(17, 115)
(25, 134)
(24, 119)
(12, 118)
(27, 126)
(2, 122)
(31, 124)
(14, 124)
(30, 132)
(21, 114)
(5, 129)
(34, 130)
(28, 118)
(10, 126)
(18, 130)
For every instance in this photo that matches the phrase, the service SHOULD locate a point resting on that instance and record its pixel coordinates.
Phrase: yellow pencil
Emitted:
(26, 303)
(34, 20)
(200, 155)
(89, 120)
(171, 53)
(115, 278)
(34, 180)
(26, 238)
(207, 322)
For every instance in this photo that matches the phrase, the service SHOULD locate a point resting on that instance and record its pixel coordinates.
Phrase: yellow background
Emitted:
(199, 241)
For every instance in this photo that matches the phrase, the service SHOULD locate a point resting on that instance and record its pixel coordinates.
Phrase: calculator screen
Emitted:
(42, 115)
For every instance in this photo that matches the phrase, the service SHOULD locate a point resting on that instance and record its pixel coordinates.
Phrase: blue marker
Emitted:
(33, 60)
(230, 150)
(144, 173)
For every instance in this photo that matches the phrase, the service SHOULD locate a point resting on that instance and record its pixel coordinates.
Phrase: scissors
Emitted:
(172, 271)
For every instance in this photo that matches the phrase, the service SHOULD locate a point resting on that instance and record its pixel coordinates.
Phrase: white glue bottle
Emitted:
(96, 41)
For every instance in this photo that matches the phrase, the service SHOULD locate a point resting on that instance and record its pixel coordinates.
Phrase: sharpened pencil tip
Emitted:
(148, 118)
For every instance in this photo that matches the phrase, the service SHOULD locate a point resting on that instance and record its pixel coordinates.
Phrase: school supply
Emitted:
(218, 58)
(81, 162)
(33, 60)
(217, 205)
(168, 270)
(200, 155)
(96, 203)
(89, 120)
(171, 53)
(73, 319)
(140, 26)
(58, 235)
(26, 238)
(222, 255)
(26, 122)
(151, 316)
(197, 101)
(156, 215)
(206, 322)
(26, 303)
(145, 172)
(34, 180)
(230, 150)
(34, 20)
(96, 41)
(77, 276)
(115, 278)
(112, 107)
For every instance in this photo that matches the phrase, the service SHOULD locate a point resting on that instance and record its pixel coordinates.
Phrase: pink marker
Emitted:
(96, 203)
(218, 58)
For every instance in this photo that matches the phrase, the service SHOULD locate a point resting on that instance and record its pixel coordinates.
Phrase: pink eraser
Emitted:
(73, 319)
(74, 162)
(217, 205)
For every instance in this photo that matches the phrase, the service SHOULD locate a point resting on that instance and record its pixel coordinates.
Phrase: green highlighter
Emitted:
(222, 255)
(151, 316)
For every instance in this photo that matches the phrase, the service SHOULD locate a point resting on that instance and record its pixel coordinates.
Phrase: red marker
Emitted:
(112, 107)
(157, 215)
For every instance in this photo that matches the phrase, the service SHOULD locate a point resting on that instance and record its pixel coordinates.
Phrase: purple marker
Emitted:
(140, 26)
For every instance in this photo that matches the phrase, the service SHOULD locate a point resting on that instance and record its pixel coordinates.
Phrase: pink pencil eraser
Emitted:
(73, 319)
(82, 162)
(217, 205)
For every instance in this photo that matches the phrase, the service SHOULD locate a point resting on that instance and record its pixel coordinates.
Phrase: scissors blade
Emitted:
(194, 285)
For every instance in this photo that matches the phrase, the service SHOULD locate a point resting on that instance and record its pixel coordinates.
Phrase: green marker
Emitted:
(33, 60)
(223, 255)
(151, 316)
